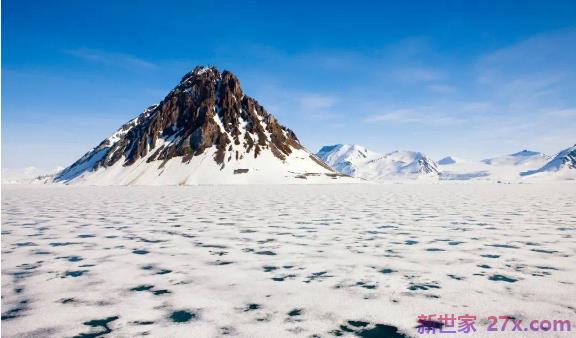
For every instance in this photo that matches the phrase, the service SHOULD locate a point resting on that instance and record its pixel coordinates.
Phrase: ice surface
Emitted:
(282, 261)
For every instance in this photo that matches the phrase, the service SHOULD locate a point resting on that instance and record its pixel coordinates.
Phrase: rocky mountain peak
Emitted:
(206, 110)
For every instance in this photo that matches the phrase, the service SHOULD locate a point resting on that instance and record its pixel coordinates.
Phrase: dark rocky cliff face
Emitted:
(207, 108)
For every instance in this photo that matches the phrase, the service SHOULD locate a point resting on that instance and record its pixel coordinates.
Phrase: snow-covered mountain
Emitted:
(205, 131)
(563, 165)
(524, 158)
(514, 167)
(28, 175)
(504, 168)
(346, 158)
(358, 161)
(448, 160)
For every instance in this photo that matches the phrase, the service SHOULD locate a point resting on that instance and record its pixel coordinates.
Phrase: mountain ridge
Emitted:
(205, 118)
(527, 158)
(358, 161)
(563, 163)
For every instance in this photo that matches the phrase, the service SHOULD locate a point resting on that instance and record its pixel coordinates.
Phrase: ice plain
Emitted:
(284, 260)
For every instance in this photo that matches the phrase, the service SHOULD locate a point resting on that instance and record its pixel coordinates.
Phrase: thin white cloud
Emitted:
(317, 101)
(562, 113)
(441, 88)
(110, 58)
(421, 115)
(417, 74)
(534, 70)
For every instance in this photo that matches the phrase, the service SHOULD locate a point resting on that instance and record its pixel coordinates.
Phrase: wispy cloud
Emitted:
(421, 115)
(110, 58)
(441, 88)
(417, 74)
(533, 73)
(317, 101)
(561, 113)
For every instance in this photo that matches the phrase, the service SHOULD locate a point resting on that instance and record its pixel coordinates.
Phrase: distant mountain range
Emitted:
(358, 161)
(207, 131)
(526, 158)
(448, 160)
(526, 164)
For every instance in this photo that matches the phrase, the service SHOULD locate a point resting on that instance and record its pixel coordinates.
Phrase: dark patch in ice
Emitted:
(62, 243)
(387, 271)
(74, 273)
(163, 271)
(365, 330)
(161, 292)
(455, 277)
(485, 266)
(266, 253)
(267, 268)
(295, 312)
(507, 246)
(435, 249)
(21, 274)
(182, 316)
(16, 312)
(139, 252)
(74, 258)
(423, 286)
(544, 251)
(366, 285)
(358, 323)
(490, 256)
(317, 276)
(410, 242)
(252, 307)
(86, 236)
(219, 262)
(283, 278)
(98, 323)
(143, 287)
(214, 246)
(23, 244)
(218, 253)
(143, 322)
(227, 330)
(502, 278)
(429, 325)
(42, 332)
(153, 241)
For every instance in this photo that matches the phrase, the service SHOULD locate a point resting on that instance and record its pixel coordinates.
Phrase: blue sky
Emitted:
(473, 79)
